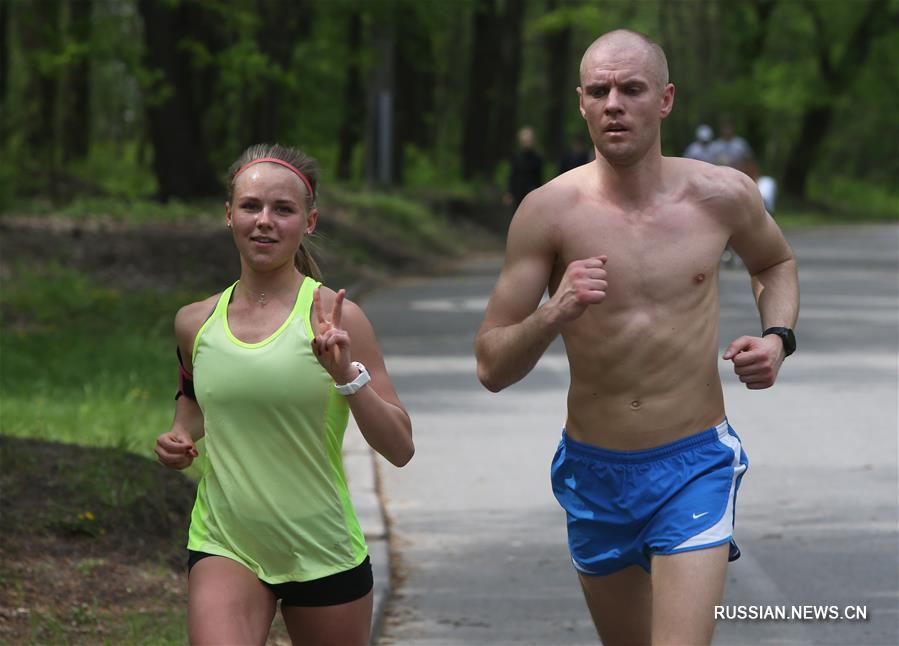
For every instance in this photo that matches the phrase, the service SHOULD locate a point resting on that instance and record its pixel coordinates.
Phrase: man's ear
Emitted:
(580, 101)
(667, 100)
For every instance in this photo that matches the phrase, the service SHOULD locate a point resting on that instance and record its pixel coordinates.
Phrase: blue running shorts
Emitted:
(625, 506)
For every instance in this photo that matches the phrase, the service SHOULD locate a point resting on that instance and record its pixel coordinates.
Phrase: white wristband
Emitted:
(356, 384)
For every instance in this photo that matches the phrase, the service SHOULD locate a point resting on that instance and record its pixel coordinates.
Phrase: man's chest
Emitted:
(657, 255)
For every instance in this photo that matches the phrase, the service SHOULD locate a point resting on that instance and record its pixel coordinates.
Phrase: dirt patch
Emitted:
(87, 535)
(92, 546)
(200, 254)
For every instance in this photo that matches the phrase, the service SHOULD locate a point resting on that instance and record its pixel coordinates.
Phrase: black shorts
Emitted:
(332, 590)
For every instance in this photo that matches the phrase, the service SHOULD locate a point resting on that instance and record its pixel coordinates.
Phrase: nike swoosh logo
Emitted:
(695, 516)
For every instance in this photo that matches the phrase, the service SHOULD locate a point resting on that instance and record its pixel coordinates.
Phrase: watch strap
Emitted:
(786, 336)
(356, 384)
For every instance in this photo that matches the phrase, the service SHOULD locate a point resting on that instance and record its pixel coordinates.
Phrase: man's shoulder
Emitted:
(542, 213)
(704, 181)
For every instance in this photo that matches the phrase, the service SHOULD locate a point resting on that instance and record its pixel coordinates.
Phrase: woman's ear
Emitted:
(228, 214)
(311, 221)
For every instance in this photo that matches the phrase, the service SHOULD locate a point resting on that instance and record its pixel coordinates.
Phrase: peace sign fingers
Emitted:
(337, 310)
(317, 308)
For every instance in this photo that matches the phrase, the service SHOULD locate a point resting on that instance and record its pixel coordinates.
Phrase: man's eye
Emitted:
(600, 92)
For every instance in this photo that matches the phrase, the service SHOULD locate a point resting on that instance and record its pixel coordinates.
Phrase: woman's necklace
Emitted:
(260, 297)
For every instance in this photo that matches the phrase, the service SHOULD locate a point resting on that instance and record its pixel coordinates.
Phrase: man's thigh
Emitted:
(620, 605)
(686, 588)
(227, 604)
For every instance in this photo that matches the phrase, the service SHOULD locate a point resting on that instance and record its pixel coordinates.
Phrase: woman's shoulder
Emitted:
(351, 310)
(191, 317)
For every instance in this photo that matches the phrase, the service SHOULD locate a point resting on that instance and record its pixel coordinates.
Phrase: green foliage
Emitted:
(396, 215)
(762, 63)
(865, 200)
(84, 363)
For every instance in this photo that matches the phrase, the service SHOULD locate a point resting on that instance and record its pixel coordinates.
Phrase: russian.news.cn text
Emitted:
(791, 613)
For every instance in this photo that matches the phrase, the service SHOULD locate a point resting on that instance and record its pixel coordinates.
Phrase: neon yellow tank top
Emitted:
(274, 494)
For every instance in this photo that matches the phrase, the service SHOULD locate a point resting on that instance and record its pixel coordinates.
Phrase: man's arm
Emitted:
(515, 332)
(775, 283)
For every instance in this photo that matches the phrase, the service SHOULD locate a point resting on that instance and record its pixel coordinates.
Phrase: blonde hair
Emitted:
(308, 166)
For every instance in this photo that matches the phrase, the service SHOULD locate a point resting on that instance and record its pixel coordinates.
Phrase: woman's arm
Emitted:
(347, 336)
(176, 449)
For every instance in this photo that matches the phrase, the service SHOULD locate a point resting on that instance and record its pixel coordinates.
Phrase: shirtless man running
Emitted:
(629, 247)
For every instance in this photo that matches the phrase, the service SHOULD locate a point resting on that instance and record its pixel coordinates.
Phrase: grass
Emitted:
(840, 201)
(86, 364)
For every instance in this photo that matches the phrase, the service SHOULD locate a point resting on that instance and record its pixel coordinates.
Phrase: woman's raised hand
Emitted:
(332, 343)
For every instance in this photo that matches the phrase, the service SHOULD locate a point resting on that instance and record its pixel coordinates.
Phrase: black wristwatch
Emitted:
(786, 335)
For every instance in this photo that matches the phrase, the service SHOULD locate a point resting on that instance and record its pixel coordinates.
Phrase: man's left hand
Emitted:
(756, 359)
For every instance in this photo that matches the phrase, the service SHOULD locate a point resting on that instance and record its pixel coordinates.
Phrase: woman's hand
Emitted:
(175, 451)
(332, 343)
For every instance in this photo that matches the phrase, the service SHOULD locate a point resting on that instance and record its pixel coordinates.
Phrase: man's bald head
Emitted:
(626, 41)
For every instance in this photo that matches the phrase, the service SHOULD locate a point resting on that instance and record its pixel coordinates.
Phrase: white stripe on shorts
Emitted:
(724, 528)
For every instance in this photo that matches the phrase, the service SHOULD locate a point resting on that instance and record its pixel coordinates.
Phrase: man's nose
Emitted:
(613, 102)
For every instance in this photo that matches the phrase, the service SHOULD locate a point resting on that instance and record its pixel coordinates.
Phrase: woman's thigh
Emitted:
(345, 624)
(227, 604)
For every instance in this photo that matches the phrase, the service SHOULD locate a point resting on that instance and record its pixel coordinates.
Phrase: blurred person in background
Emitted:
(577, 154)
(701, 148)
(526, 172)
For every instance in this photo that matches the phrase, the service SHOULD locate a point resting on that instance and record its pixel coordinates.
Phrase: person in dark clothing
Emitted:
(527, 169)
(576, 155)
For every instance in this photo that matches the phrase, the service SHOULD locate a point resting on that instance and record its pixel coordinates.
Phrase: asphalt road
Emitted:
(479, 541)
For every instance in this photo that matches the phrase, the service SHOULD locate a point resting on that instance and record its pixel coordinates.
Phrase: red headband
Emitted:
(280, 162)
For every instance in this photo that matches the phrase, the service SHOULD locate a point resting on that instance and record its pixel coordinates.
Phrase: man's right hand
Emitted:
(583, 284)
(175, 451)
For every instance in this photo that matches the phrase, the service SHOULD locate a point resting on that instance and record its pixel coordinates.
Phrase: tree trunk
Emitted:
(40, 31)
(180, 159)
(414, 76)
(508, 74)
(4, 64)
(559, 95)
(77, 117)
(350, 134)
(835, 75)
(292, 22)
(752, 50)
(481, 93)
(379, 132)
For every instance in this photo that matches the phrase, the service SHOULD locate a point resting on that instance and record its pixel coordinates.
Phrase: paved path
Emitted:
(480, 541)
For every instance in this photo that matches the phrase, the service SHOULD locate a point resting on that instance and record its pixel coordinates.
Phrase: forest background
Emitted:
(140, 99)
(118, 119)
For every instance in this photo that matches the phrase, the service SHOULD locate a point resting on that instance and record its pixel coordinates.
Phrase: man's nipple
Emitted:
(698, 278)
